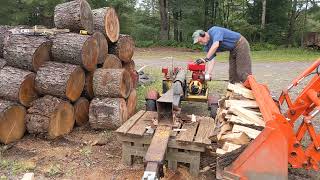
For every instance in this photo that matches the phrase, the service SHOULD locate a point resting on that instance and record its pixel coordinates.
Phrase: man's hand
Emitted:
(200, 61)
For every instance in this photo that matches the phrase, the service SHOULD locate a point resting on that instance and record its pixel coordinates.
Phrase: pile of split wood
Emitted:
(47, 82)
(238, 120)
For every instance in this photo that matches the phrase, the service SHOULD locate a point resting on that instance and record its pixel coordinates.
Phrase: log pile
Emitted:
(239, 121)
(48, 84)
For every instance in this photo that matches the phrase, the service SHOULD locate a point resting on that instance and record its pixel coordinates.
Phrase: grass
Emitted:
(16, 167)
(278, 55)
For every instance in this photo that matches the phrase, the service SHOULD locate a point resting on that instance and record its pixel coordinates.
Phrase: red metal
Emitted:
(267, 157)
(152, 95)
(196, 67)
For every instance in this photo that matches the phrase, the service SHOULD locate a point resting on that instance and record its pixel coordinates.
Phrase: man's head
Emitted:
(201, 37)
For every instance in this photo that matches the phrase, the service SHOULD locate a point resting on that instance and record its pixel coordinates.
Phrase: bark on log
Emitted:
(17, 85)
(74, 15)
(12, 121)
(132, 103)
(76, 49)
(106, 21)
(50, 115)
(107, 113)
(88, 86)
(61, 80)
(103, 46)
(111, 83)
(26, 52)
(123, 48)
(3, 63)
(131, 68)
(112, 62)
(81, 111)
(3, 33)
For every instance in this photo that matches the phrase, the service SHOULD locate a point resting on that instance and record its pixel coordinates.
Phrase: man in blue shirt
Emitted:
(218, 39)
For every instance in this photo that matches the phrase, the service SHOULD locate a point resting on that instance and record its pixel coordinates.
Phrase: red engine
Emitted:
(198, 71)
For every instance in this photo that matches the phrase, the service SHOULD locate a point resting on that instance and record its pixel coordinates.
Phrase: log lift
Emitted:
(279, 141)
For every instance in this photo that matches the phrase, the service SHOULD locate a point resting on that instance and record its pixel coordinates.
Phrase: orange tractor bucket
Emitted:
(267, 157)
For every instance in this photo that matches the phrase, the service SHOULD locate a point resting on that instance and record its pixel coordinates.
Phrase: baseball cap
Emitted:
(196, 35)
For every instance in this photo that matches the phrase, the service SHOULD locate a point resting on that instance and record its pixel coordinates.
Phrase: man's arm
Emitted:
(213, 49)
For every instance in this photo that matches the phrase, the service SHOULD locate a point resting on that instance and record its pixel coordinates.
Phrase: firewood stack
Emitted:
(239, 121)
(47, 82)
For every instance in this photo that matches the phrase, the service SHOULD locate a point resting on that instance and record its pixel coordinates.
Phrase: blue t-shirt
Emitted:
(226, 37)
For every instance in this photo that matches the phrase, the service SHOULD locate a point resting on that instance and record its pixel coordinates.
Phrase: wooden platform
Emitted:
(183, 146)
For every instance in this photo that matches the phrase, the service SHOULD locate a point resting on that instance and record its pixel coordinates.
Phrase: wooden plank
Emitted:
(238, 89)
(228, 146)
(128, 124)
(241, 103)
(140, 127)
(244, 113)
(205, 129)
(188, 135)
(236, 138)
(240, 120)
(252, 133)
(174, 133)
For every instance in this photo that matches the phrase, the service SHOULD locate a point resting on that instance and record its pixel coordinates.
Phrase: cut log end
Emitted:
(12, 122)
(86, 16)
(62, 120)
(27, 91)
(41, 55)
(125, 48)
(112, 62)
(112, 25)
(103, 46)
(132, 103)
(75, 84)
(81, 111)
(90, 54)
(88, 87)
(125, 86)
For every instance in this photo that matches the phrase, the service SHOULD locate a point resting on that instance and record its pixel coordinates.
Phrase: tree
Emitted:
(164, 33)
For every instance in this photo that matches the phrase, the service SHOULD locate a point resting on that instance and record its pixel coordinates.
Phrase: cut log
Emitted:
(50, 115)
(252, 133)
(17, 85)
(124, 48)
(236, 138)
(26, 52)
(248, 115)
(12, 121)
(106, 20)
(241, 103)
(107, 113)
(225, 128)
(240, 120)
(74, 15)
(227, 146)
(81, 111)
(240, 89)
(111, 83)
(112, 62)
(76, 49)
(3, 33)
(61, 80)
(103, 46)
(132, 103)
(3, 63)
(129, 66)
(88, 86)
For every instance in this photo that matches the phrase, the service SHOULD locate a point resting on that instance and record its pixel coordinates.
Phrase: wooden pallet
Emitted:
(183, 147)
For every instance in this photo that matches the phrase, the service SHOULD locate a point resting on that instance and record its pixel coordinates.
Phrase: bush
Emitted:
(262, 47)
(168, 43)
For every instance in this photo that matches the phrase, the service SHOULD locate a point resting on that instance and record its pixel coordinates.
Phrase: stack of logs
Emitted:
(47, 82)
(239, 121)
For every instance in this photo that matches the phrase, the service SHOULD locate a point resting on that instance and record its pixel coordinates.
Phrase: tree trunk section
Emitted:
(107, 113)
(3, 33)
(112, 83)
(61, 80)
(50, 115)
(81, 111)
(124, 48)
(106, 21)
(131, 68)
(26, 52)
(74, 15)
(76, 49)
(103, 46)
(17, 85)
(88, 86)
(12, 121)
(132, 103)
(164, 20)
(112, 62)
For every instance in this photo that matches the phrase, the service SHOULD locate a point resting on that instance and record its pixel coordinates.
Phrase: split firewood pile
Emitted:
(238, 120)
(52, 79)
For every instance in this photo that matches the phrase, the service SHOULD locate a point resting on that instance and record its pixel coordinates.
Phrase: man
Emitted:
(219, 39)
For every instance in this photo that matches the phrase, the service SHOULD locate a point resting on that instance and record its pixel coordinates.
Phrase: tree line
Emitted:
(278, 22)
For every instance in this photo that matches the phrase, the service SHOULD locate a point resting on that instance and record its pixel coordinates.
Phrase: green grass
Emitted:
(277, 55)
